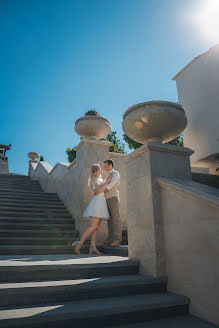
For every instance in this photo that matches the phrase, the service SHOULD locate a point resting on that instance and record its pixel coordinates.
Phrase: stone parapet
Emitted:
(144, 207)
(70, 180)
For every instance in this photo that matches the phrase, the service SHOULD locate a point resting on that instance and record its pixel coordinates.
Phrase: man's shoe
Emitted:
(115, 243)
(106, 243)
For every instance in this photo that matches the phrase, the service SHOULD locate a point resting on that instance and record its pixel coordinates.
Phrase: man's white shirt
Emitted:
(114, 180)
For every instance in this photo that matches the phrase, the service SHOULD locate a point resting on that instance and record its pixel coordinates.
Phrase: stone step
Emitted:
(22, 189)
(5, 181)
(207, 179)
(29, 203)
(26, 209)
(12, 184)
(38, 250)
(186, 321)
(33, 293)
(27, 189)
(23, 193)
(36, 226)
(118, 250)
(38, 233)
(30, 198)
(34, 214)
(114, 310)
(63, 267)
(30, 240)
(19, 185)
(13, 175)
(37, 220)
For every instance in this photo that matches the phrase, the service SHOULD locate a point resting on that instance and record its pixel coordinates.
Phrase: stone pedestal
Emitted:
(145, 223)
(89, 152)
(4, 164)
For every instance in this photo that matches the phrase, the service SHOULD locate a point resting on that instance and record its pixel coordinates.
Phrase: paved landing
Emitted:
(30, 260)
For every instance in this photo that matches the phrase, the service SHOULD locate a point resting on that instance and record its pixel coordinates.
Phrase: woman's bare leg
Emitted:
(94, 226)
(93, 238)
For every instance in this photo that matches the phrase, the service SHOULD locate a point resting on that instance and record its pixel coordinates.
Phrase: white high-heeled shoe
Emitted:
(94, 250)
(74, 244)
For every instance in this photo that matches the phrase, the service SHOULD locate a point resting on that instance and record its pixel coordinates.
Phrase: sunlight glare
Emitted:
(207, 20)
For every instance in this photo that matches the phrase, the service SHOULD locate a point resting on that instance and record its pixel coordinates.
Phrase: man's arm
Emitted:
(113, 181)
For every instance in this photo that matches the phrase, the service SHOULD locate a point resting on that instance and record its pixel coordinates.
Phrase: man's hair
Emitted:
(109, 161)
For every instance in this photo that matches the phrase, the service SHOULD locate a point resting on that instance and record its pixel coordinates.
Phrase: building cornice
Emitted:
(156, 146)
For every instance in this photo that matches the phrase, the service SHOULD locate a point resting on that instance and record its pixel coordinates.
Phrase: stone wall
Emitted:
(191, 238)
(70, 181)
(4, 165)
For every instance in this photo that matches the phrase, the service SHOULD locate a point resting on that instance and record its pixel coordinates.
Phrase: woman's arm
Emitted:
(99, 189)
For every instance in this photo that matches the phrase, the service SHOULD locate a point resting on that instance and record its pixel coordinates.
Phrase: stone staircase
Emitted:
(67, 290)
(207, 179)
(32, 221)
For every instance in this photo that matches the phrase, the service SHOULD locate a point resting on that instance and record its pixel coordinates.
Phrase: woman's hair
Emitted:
(93, 170)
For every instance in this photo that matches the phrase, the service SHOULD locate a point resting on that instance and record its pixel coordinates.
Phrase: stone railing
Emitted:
(70, 181)
(173, 224)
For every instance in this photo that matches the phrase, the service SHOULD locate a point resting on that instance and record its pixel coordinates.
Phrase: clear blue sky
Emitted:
(60, 58)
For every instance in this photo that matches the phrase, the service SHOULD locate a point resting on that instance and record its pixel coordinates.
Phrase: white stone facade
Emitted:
(198, 93)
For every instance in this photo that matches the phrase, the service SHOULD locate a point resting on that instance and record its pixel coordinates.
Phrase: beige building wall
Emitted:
(191, 237)
(198, 92)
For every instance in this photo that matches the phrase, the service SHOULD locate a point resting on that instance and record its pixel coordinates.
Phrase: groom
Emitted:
(112, 198)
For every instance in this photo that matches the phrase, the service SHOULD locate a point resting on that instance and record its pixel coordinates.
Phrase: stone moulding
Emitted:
(45, 165)
(63, 165)
(119, 155)
(189, 191)
(156, 146)
(71, 164)
(92, 141)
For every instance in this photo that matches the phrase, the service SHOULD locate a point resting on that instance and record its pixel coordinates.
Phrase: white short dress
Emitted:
(97, 206)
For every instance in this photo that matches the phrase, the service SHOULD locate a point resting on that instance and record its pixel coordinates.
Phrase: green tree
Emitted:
(131, 143)
(116, 145)
(134, 145)
(71, 154)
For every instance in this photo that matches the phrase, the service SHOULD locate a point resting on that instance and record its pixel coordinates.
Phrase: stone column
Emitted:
(89, 152)
(4, 164)
(144, 208)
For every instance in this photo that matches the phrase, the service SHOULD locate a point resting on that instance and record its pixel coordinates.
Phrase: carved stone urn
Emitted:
(160, 121)
(92, 127)
(33, 156)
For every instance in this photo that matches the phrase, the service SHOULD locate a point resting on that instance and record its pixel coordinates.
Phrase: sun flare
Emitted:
(206, 19)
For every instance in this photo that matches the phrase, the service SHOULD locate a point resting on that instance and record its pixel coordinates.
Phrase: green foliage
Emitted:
(134, 145)
(131, 143)
(71, 154)
(116, 145)
(41, 158)
(92, 112)
(177, 141)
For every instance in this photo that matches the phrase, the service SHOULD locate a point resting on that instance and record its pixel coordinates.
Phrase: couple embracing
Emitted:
(103, 206)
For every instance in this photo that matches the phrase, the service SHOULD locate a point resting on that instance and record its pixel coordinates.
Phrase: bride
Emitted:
(96, 211)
